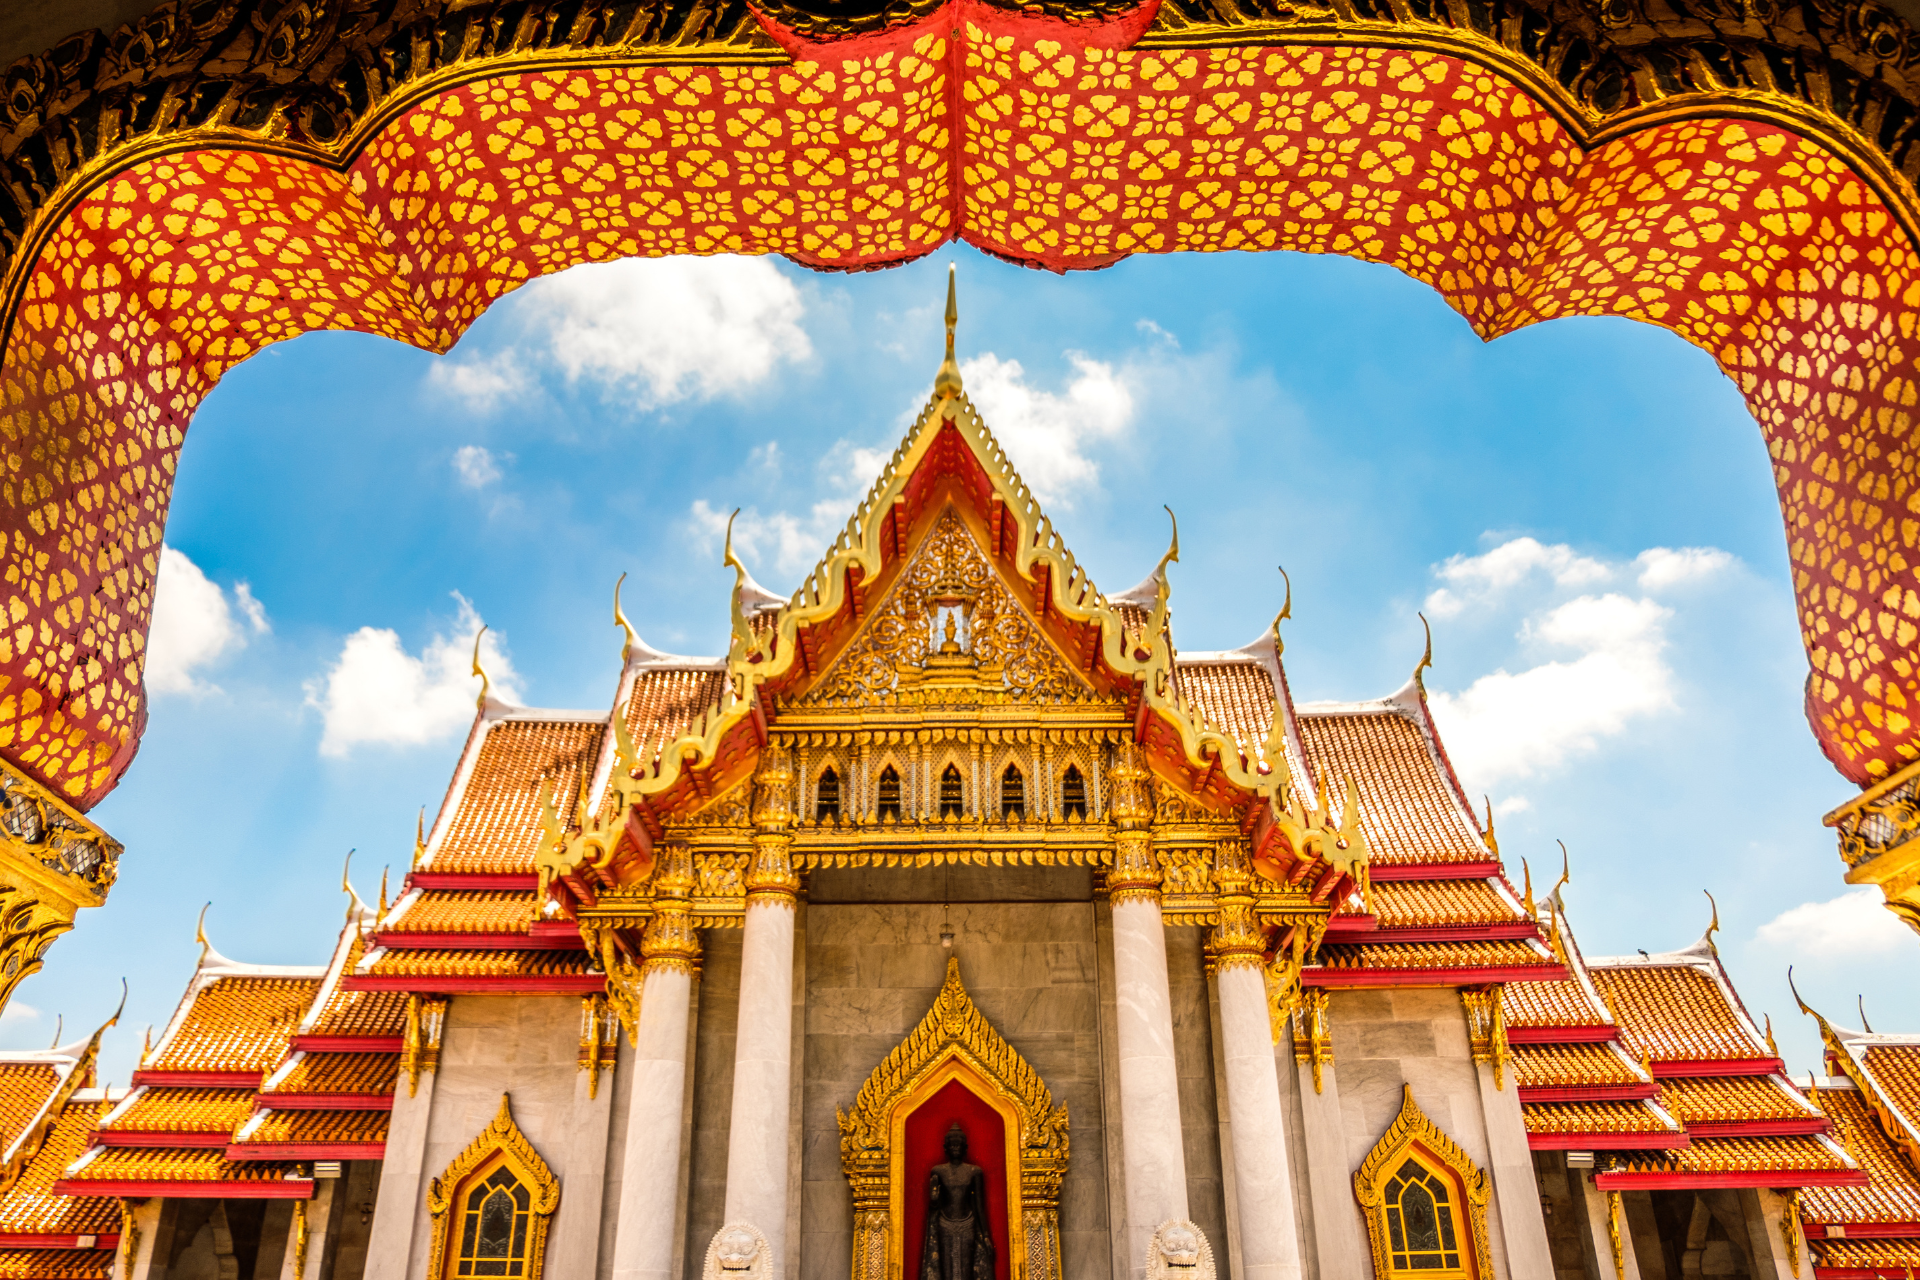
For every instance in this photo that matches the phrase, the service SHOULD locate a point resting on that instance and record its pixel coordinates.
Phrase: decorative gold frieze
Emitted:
(1880, 841)
(1619, 1246)
(420, 1038)
(1487, 1028)
(53, 862)
(599, 1039)
(1313, 1036)
(954, 1042)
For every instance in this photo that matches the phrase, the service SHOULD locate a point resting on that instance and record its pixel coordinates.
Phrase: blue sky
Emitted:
(1582, 508)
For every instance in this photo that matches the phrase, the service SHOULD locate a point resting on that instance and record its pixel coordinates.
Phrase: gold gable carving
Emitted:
(503, 1140)
(1412, 1134)
(996, 654)
(953, 1041)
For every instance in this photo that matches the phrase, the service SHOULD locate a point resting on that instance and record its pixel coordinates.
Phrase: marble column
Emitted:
(313, 1220)
(1153, 1156)
(1516, 1193)
(1262, 1179)
(400, 1222)
(1605, 1232)
(758, 1137)
(648, 1228)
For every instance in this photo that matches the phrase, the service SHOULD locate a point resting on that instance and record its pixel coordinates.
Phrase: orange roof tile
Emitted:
(174, 1164)
(1739, 1155)
(1408, 809)
(1896, 1256)
(432, 962)
(1428, 955)
(162, 1109)
(467, 911)
(24, 1089)
(496, 826)
(1549, 1004)
(30, 1208)
(237, 1023)
(1893, 1195)
(362, 1013)
(1402, 904)
(1674, 1012)
(317, 1126)
(1594, 1117)
(1896, 1069)
(339, 1073)
(1724, 1099)
(1235, 695)
(1539, 1066)
(57, 1264)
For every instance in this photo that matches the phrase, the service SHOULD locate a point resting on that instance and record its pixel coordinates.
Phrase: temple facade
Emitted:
(956, 925)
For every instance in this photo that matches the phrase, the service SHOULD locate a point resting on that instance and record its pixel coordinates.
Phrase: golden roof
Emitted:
(1896, 1069)
(1410, 812)
(1561, 1003)
(313, 1127)
(1742, 1155)
(236, 1023)
(58, 1264)
(175, 1164)
(433, 962)
(496, 825)
(1892, 1195)
(1429, 955)
(1541, 1066)
(665, 701)
(1404, 904)
(163, 1109)
(339, 1073)
(24, 1089)
(29, 1207)
(473, 911)
(1236, 696)
(1728, 1099)
(1896, 1256)
(361, 1013)
(1674, 1012)
(1595, 1117)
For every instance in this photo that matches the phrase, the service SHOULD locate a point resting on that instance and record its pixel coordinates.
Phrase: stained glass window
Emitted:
(1422, 1233)
(493, 1227)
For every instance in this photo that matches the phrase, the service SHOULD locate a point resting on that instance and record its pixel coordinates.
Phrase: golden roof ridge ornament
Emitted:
(1426, 658)
(419, 840)
(356, 905)
(1713, 926)
(1286, 612)
(486, 685)
(620, 617)
(200, 935)
(946, 383)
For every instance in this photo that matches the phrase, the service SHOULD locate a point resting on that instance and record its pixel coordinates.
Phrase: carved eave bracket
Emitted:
(53, 863)
(1879, 834)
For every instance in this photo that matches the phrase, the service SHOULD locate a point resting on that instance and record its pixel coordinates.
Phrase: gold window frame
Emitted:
(500, 1144)
(954, 1042)
(1412, 1134)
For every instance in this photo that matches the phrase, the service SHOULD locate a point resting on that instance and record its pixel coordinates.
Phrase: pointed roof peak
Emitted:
(947, 381)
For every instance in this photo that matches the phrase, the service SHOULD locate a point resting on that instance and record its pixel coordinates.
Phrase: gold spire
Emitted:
(382, 913)
(1493, 843)
(947, 381)
(620, 620)
(486, 685)
(419, 839)
(1527, 871)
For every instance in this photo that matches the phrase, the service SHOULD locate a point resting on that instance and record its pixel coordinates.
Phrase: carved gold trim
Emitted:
(954, 1042)
(500, 1143)
(599, 1040)
(1313, 1035)
(299, 1240)
(420, 1038)
(1879, 832)
(1790, 1228)
(1487, 1028)
(1412, 1134)
(1619, 1246)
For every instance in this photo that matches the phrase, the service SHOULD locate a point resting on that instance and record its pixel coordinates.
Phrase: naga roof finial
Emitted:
(200, 934)
(947, 381)
(1426, 657)
(1860, 1003)
(620, 620)
(419, 839)
(1713, 926)
(486, 685)
(1286, 612)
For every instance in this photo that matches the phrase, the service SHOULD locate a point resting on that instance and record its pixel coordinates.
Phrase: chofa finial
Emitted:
(620, 618)
(1426, 657)
(486, 685)
(947, 381)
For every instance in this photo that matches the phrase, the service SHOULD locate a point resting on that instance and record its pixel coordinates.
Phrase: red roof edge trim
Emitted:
(476, 942)
(199, 1079)
(1435, 870)
(1744, 1178)
(469, 880)
(1589, 1092)
(1851, 1273)
(566, 984)
(1509, 931)
(307, 1151)
(1761, 1128)
(289, 1190)
(1433, 977)
(350, 1044)
(326, 1101)
(1593, 1034)
(1681, 1067)
(28, 1240)
(1864, 1230)
(1606, 1141)
(114, 1138)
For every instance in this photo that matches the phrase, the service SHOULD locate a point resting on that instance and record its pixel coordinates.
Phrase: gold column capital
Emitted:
(1238, 939)
(1136, 872)
(670, 941)
(771, 878)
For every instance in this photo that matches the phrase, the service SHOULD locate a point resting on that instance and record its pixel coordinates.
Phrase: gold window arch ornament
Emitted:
(492, 1206)
(1424, 1201)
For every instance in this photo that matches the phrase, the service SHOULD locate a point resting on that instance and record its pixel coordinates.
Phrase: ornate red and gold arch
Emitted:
(217, 176)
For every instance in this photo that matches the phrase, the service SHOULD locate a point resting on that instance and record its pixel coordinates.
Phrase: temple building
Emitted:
(956, 924)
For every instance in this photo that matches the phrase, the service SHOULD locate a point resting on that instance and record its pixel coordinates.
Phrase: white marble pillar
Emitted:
(648, 1232)
(758, 1136)
(400, 1220)
(136, 1263)
(1262, 1178)
(1601, 1234)
(319, 1220)
(1516, 1192)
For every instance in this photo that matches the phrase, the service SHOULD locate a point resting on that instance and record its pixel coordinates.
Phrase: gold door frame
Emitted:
(954, 1042)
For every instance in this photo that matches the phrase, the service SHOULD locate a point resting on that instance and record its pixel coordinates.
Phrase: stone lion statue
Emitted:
(1179, 1251)
(738, 1252)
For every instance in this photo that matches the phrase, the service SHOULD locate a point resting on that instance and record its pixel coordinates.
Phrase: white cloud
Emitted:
(1519, 724)
(1664, 568)
(19, 1011)
(1048, 435)
(377, 692)
(476, 466)
(781, 541)
(1854, 925)
(481, 383)
(193, 624)
(1507, 566)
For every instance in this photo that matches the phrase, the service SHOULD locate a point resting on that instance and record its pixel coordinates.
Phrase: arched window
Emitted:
(826, 796)
(1013, 793)
(890, 793)
(1421, 1230)
(493, 1227)
(1073, 793)
(952, 793)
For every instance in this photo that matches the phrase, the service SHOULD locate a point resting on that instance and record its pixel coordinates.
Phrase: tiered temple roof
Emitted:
(1870, 1095)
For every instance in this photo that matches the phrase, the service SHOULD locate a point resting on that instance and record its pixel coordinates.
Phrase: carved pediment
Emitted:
(948, 631)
